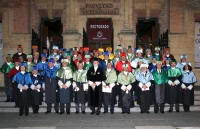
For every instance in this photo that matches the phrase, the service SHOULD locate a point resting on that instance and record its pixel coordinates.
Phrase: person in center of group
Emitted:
(145, 95)
(188, 81)
(160, 80)
(125, 89)
(109, 88)
(95, 76)
(80, 86)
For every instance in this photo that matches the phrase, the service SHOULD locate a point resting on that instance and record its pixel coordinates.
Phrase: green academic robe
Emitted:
(87, 66)
(29, 67)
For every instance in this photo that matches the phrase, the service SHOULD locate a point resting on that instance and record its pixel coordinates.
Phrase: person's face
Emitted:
(8, 59)
(80, 66)
(157, 51)
(167, 52)
(55, 50)
(106, 57)
(183, 60)
(75, 52)
(173, 64)
(69, 58)
(43, 58)
(35, 56)
(79, 56)
(59, 51)
(64, 64)
(159, 66)
(148, 52)
(86, 51)
(154, 60)
(100, 53)
(123, 58)
(29, 59)
(116, 55)
(44, 51)
(139, 54)
(35, 49)
(96, 54)
(167, 61)
(16, 63)
(34, 72)
(109, 65)
(144, 69)
(95, 63)
(50, 64)
(63, 53)
(22, 68)
(186, 67)
(20, 50)
(87, 59)
(130, 50)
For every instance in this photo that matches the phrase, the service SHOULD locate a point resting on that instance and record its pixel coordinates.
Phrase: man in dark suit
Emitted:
(19, 53)
(95, 76)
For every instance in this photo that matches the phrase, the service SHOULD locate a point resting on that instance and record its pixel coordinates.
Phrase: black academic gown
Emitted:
(95, 96)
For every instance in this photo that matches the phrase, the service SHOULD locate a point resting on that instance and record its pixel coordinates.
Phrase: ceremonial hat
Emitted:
(8, 56)
(183, 56)
(123, 54)
(119, 47)
(75, 48)
(116, 52)
(148, 49)
(159, 62)
(51, 60)
(36, 53)
(129, 47)
(61, 49)
(167, 58)
(139, 51)
(68, 53)
(71, 49)
(173, 60)
(34, 68)
(23, 64)
(95, 59)
(140, 60)
(55, 47)
(34, 47)
(157, 48)
(56, 56)
(109, 48)
(144, 65)
(101, 50)
(16, 60)
(43, 55)
(19, 46)
(153, 56)
(29, 56)
(106, 53)
(64, 60)
(86, 48)
(167, 49)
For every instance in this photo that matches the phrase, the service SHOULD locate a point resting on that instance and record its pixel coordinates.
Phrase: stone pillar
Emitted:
(126, 35)
(71, 36)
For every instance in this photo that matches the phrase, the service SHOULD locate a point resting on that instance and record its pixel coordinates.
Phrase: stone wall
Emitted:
(164, 17)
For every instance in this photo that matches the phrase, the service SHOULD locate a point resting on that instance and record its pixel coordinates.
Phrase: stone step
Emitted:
(117, 109)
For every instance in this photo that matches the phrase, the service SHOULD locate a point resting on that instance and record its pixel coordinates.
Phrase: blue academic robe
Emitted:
(166, 67)
(181, 65)
(24, 96)
(152, 67)
(103, 64)
(41, 66)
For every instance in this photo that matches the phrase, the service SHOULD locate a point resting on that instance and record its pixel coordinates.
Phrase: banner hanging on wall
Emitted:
(197, 45)
(99, 30)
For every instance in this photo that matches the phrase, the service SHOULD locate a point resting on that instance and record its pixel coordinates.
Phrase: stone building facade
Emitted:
(19, 17)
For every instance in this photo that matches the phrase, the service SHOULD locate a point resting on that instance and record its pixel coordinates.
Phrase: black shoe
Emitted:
(105, 112)
(162, 112)
(98, 113)
(112, 112)
(83, 112)
(147, 112)
(8, 100)
(77, 112)
(123, 112)
(188, 110)
(155, 112)
(11, 100)
(142, 112)
(57, 112)
(26, 114)
(170, 110)
(92, 113)
(47, 112)
(177, 111)
(185, 110)
(128, 113)
(68, 113)
(61, 113)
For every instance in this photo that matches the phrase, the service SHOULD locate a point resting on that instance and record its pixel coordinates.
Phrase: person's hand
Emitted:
(104, 86)
(64, 86)
(173, 84)
(144, 86)
(35, 88)
(23, 88)
(75, 87)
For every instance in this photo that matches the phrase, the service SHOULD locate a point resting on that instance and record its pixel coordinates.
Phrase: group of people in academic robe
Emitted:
(97, 78)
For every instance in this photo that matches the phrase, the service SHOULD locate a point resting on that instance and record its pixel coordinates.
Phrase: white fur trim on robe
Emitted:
(170, 82)
(183, 86)
(177, 82)
(190, 87)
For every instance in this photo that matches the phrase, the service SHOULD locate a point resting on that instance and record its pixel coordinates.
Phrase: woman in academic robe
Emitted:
(125, 81)
(35, 90)
(23, 80)
(80, 86)
(29, 63)
(109, 88)
(166, 64)
(160, 80)
(11, 74)
(188, 80)
(65, 76)
(95, 76)
(173, 88)
(87, 63)
(145, 94)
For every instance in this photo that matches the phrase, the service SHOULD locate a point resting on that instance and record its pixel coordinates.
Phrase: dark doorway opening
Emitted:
(51, 28)
(147, 34)
(105, 30)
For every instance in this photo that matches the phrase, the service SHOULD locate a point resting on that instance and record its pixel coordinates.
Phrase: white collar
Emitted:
(43, 62)
(125, 72)
(19, 53)
(108, 70)
(22, 72)
(8, 63)
(17, 67)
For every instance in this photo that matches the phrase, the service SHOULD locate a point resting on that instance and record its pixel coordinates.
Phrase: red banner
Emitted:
(99, 30)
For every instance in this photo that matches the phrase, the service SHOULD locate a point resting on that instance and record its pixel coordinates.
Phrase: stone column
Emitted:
(71, 36)
(126, 35)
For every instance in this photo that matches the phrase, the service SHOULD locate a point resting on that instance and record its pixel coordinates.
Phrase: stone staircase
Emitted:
(9, 106)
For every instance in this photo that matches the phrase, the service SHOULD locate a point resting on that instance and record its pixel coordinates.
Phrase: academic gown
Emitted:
(158, 56)
(35, 95)
(109, 98)
(51, 85)
(29, 66)
(147, 95)
(125, 99)
(152, 67)
(103, 64)
(165, 67)
(130, 57)
(11, 74)
(41, 66)
(72, 65)
(5, 69)
(115, 61)
(64, 77)
(188, 78)
(119, 65)
(160, 80)
(148, 59)
(87, 65)
(173, 93)
(24, 96)
(95, 96)
(16, 55)
(79, 80)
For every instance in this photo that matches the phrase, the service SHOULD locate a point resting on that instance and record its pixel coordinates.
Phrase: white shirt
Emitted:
(108, 70)
(17, 67)
(22, 72)
(8, 63)
(95, 69)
